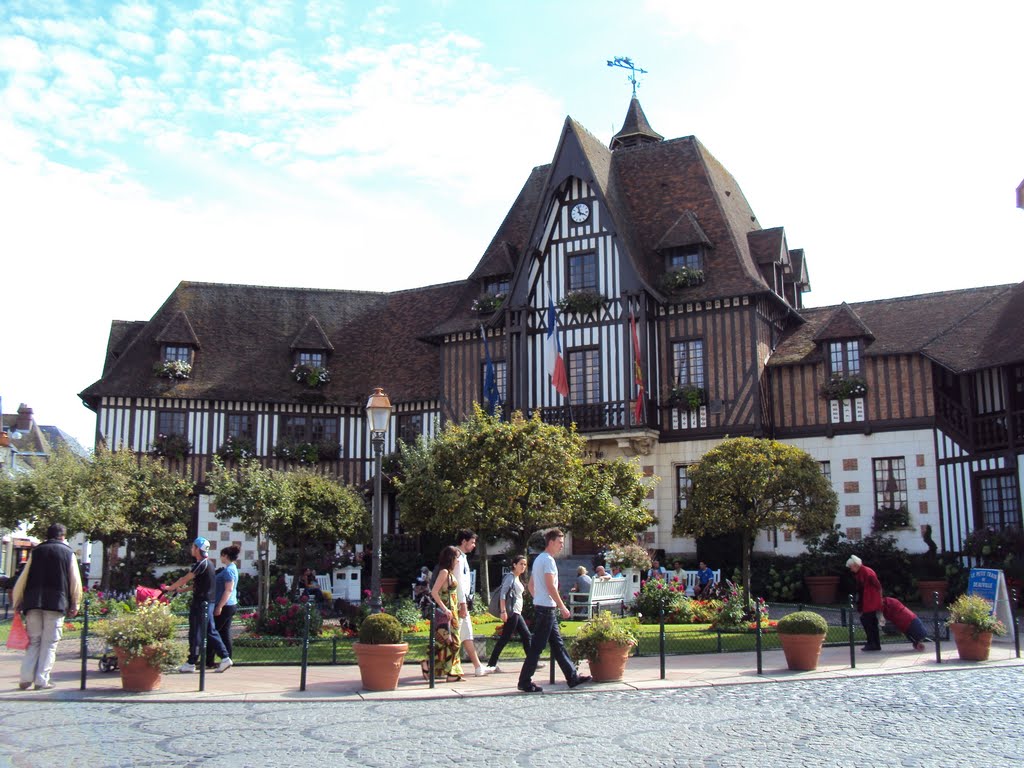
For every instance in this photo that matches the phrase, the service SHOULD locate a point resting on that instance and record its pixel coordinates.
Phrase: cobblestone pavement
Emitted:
(952, 718)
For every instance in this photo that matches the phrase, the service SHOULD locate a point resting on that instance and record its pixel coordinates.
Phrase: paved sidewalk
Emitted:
(341, 682)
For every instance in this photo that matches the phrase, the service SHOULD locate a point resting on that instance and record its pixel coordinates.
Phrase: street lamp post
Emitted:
(378, 411)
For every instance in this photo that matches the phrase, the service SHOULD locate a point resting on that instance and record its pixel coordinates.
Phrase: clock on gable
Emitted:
(580, 212)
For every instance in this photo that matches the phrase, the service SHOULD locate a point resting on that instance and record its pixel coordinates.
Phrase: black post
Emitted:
(935, 621)
(661, 642)
(334, 649)
(718, 631)
(1016, 622)
(757, 639)
(853, 655)
(201, 661)
(85, 639)
(305, 647)
(432, 642)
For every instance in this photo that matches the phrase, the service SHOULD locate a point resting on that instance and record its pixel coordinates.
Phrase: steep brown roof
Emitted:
(685, 231)
(247, 333)
(635, 128)
(768, 246)
(506, 246)
(178, 331)
(312, 337)
(948, 326)
(844, 324)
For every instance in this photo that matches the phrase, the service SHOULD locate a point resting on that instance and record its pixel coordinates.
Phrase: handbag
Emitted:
(17, 640)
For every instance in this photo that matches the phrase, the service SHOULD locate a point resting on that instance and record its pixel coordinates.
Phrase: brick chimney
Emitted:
(24, 422)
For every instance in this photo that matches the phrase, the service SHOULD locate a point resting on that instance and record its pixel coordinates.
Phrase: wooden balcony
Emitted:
(987, 432)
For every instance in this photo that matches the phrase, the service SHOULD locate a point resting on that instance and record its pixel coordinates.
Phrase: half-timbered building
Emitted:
(679, 319)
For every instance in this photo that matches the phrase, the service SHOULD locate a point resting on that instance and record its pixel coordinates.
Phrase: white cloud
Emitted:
(135, 16)
(134, 41)
(20, 54)
(82, 74)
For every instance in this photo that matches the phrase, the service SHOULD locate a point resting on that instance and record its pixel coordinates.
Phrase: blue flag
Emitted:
(490, 378)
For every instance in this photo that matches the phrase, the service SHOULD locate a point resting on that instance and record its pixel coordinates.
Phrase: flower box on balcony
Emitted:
(581, 302)
(844, 387)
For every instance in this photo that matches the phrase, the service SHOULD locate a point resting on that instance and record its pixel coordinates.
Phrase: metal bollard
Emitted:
(757, 639)
(661, 642)
(201, 661)
(305, 647)
(935, 620)
(85, 641)
(432, 643)
(718, 633)
(1016, 622)
(334, 649)
(853, 654)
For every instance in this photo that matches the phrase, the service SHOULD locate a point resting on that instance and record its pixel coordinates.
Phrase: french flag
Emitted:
(556, 365)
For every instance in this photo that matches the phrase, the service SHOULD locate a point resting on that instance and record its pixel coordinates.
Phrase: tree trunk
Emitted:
(262, 574)
(486, 580)
(109, 552)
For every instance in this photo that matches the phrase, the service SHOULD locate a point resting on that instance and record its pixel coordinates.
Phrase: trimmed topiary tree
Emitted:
(802, 623)
(380, 629)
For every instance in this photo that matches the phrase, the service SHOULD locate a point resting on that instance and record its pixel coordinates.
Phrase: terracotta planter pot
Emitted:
(802, 651)
(388, 586)
(610, 664)
(822, 588)
(5, 439)
(380, 665)
(969, 647)
(138, 674)
(926, 589)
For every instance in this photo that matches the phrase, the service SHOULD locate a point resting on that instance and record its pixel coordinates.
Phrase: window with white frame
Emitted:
(582, 271)
(844, 358)
(688, 363)
(683, 485)
(999, 501)
(312, 359)
(171, 423)
(177, 353)
(584, 376)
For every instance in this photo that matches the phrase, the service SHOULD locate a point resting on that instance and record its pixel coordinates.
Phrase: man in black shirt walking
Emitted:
(202, 576)
(49, 587)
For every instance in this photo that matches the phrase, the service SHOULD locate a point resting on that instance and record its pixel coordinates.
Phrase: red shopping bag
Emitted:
(17, 640)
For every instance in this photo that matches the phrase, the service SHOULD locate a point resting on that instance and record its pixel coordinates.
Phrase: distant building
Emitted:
(24, 444)
(914, 406)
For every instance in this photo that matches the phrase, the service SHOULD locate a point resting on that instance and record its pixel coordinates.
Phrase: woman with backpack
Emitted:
(510, 605)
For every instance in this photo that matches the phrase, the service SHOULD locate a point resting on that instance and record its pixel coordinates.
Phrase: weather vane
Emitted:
(627, 63)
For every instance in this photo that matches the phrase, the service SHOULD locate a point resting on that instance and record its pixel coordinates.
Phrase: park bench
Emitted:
(692, 580)
(604, 593)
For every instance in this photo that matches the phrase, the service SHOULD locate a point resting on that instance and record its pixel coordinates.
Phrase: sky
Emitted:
(354, 145)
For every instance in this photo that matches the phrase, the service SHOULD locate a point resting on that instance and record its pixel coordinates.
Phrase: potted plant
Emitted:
(310, 375)
(486, 303)
(380, 652)
(605, 644)
(143, 640)
(972, 625)
(687, 396)
(171, 446)
(802, 634)
(634, 560)
(840, 387)
(581, 302)
(821, 561)
(173, 369)
(676, 280)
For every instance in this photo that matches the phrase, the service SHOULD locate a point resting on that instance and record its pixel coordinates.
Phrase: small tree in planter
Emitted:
(380, 652)
(605, 643)
(802, 634)
(972, 625)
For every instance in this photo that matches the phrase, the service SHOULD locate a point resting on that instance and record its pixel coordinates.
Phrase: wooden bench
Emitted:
(692, 580)
(604, 593)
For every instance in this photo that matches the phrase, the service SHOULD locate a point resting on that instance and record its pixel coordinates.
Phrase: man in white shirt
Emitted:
(466, 542)
(547, 607)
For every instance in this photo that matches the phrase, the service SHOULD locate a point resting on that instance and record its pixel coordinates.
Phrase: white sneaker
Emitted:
(491, 670)
(484, 671)
(225, 665)
(185, 668)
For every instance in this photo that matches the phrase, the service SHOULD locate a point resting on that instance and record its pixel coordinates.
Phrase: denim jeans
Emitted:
(546, 632)
(195, 634)
(514, 624)
(222, 624)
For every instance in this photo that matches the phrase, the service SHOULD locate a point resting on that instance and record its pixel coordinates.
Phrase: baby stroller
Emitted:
(108, 660)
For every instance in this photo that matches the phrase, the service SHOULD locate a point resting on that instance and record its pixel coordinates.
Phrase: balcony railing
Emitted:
(593, 417)
(990, 431)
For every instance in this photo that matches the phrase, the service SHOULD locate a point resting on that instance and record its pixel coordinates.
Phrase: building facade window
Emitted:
(683, 484)
(496, 285)
(309, 429)
(582, 271)
(584, 376)
(177, 354)
(844, 358)
(688, 363)
(241, 425)
(688, 258)
(410, 427)
(826, 470)
(999, 501)
(171, 423)
(891, 504)
(500, 375)
(312, 359)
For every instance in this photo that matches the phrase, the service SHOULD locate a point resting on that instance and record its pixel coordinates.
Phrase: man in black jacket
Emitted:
(49, 588)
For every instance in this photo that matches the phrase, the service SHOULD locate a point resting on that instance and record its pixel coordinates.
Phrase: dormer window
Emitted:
(177, 354)
(312, 359)
(496, 285)
(844, 358)
(684, 258)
